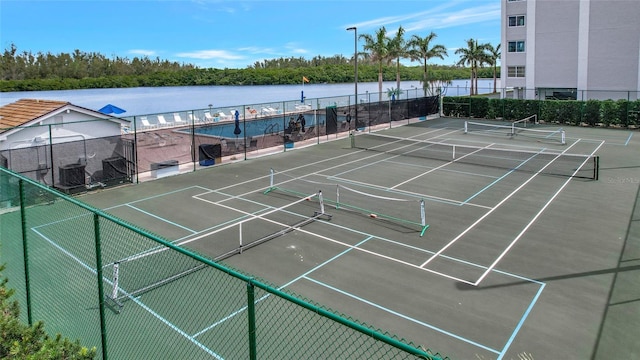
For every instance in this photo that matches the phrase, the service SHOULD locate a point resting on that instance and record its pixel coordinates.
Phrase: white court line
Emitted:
(493, 265)
(293, 178)
(310, 165)
(439, 167)
(251, 217)
(354, 247)
(134, 299)
(493, 209)
(407, 193)
(394, 242)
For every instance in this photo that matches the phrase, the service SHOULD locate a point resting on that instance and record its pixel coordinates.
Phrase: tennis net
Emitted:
(542, 162)
(148, 270)
(375, 202)
(516, 128)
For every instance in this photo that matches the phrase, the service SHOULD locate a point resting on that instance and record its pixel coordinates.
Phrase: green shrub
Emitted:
(609, 112)
(19, 341)
(479, 107)
(591, 113)
(495, 109)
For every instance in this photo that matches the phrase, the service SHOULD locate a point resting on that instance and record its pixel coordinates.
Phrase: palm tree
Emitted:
(378, 48)
(398, 49)
(494, 55)
(421, 50)
(474, 56)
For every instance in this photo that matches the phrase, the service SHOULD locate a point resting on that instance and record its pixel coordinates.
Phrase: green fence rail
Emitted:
(131, 294)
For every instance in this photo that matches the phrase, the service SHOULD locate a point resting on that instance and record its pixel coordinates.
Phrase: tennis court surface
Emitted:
(475, 244)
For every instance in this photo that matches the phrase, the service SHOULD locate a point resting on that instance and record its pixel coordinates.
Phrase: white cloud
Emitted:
(257, 50)
(142, 52)
(295, 48)
(443, 16)
(210, 54)
(457, 18)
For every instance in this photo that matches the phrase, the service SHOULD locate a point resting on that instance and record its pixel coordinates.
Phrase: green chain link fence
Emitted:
(83, 272)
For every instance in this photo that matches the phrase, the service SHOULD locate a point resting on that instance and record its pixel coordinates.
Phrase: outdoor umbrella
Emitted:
(111, 109)
(237, 130)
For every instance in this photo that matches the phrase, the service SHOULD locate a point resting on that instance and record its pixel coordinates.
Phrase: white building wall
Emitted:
(556, 43)
(589, 45)
(63, 126)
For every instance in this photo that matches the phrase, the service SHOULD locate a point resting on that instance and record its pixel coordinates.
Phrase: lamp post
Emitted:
(355, 80)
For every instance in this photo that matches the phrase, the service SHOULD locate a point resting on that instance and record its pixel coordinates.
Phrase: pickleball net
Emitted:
(375, 202)
(522, 128)
(539, 162)
(137, 274)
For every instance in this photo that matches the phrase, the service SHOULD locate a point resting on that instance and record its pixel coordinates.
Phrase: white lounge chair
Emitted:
(193, 118)
(178, 119)
(224, 116)
(162, 121)
(145, 123)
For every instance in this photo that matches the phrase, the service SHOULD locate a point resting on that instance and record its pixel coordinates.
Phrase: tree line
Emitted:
(379, 60)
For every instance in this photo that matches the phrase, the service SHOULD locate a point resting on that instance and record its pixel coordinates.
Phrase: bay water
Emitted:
(152, 100)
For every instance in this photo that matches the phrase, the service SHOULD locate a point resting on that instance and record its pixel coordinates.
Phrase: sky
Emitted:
(236, 34)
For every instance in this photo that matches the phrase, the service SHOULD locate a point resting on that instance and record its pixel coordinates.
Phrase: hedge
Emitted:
(614, 113)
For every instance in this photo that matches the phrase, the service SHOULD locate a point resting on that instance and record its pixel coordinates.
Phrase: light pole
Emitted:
(355, 80)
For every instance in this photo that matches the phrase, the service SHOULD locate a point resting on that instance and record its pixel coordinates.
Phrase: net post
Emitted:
(596, 167)
(466, 127)
(240, 237)
(513, 128)
(116, 273)
(423, 218)
(337, 196)
(271, 187)
(453, 154)
(562, 137)
(321, 201)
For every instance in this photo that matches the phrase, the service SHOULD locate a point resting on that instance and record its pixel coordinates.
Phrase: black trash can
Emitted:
(209, 154)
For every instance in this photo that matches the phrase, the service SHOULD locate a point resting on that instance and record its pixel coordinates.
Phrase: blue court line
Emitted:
(500, 178)
(161, 219)
(457, 337)
(115, 206)
(628, 139)
(324, 263)
(521, 322)
(136, 300)
(244, 308)
(369, 237)
(152, 197)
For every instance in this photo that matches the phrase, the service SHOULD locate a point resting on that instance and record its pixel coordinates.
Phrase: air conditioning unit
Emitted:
(72, 175)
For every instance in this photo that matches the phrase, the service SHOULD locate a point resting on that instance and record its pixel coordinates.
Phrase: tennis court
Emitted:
(475, 245)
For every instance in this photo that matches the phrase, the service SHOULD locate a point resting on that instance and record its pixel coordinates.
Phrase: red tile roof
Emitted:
(26, 110)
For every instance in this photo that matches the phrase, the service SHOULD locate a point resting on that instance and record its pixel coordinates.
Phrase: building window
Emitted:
(515, 71)
(516, 20)
(516, 46)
